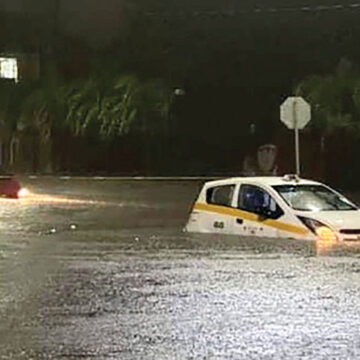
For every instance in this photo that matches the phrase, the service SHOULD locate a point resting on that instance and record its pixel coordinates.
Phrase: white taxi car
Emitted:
(279, 207)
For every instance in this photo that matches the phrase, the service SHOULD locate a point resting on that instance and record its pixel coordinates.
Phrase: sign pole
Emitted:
(297, 146)
(297, 151)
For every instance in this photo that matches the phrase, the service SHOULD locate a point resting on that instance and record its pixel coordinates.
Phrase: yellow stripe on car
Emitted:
(222, 210)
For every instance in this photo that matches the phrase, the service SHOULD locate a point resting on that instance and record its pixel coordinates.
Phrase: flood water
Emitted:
(100, 269)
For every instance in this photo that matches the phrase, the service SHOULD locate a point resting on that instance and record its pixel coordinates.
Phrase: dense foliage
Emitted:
(106, 109)
(334, 99)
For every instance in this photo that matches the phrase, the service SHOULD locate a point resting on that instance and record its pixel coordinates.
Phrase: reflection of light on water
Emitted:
(335, 247)
(27, 197)
(323, 247)
(51, 199)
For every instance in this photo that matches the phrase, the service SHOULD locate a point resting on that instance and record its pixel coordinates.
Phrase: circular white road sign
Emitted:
(295, 112)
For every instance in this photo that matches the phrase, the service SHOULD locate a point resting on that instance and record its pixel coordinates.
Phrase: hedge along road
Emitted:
(101, 269)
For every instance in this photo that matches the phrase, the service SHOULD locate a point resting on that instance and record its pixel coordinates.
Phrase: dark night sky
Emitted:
(93, 19)
(94, 16)
(100, 20)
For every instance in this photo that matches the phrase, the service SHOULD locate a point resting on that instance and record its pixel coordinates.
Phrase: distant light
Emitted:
(179, 92)
(9, 68)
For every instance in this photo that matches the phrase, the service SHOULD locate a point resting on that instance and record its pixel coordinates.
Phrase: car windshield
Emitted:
(313, 198)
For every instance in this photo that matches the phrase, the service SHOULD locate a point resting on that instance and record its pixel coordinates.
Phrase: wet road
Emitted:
(101, 270)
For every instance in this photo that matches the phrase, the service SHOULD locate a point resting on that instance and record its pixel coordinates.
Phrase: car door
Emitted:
(257, 213)
(220, 199)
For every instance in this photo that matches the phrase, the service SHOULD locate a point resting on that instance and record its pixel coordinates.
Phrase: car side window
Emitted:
(220, 195)
(256, 200)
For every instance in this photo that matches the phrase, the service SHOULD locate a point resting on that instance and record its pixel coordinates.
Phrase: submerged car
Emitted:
(9, 187)
(279, 207)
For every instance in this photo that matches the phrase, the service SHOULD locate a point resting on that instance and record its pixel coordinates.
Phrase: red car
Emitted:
(9, 186)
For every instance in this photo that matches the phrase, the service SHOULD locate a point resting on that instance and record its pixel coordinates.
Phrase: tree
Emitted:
(43, 111)
(11, 97)
(334, 101)
(117, 107)
(82, 106)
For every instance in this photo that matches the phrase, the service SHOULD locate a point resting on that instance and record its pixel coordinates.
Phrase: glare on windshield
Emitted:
(313, 198)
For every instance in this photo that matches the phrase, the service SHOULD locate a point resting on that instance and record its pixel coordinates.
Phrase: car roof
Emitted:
(262, 180)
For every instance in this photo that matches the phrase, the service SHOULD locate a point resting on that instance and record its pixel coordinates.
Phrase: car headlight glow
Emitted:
(23, 192)
(323, 232)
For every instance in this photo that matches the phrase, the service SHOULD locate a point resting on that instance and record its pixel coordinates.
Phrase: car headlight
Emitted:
(323, 232)
(23, 192)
